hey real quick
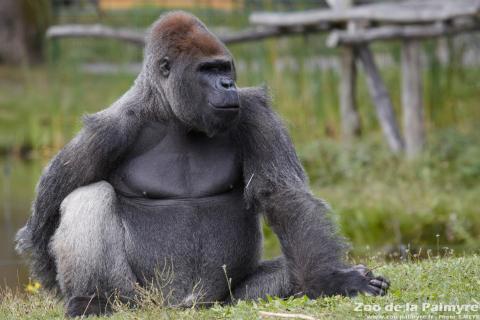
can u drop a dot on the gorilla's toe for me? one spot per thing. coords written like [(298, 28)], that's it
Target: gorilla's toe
[(369, 283), (378, 286), (363, 270), (380, 282), (85, 306)]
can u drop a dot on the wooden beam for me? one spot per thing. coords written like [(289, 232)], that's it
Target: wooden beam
[(336, 38), (356, 37), (381, 99), (137, 37), (412, 99), (259, 33), (401, 12)]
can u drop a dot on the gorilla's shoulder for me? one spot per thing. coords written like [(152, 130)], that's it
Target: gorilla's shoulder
[(114, 119), (255, 97)]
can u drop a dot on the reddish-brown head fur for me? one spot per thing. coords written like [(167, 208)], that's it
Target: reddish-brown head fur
[(182, 33)]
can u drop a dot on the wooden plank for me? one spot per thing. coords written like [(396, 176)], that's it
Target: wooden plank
[(260, 33), (356, 37), (137, 37), (413, 11), (381, 98), (412, 99)]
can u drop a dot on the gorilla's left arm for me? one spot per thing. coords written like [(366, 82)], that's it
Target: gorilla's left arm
[(86, 159), (276, 185)]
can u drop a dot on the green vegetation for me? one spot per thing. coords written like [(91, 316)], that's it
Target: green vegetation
[(412, 211), (381, 201), (418, 284)]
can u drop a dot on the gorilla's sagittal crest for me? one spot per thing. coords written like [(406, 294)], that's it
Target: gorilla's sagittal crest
[(185, 34)]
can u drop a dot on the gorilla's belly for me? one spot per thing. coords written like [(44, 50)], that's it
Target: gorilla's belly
[(181, 245), (181, 200), (167, 163)]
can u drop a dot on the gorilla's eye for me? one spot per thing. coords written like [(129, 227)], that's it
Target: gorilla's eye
[(215, 67), (165, 66)]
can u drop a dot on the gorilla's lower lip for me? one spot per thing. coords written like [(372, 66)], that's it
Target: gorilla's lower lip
[(225, 107)]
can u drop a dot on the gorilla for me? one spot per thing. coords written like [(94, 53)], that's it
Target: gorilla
[(176, 175)]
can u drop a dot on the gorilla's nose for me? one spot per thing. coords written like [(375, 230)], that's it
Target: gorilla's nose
[(226, 83)]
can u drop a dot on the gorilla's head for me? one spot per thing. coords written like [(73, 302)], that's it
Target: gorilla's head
[(193, 71)]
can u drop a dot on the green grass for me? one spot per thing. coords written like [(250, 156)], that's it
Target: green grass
[(415, 284), (381, 200)]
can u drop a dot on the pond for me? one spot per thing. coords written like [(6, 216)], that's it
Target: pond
[(17, 186)]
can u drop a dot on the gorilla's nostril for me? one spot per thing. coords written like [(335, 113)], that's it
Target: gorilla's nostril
[(227, 83)]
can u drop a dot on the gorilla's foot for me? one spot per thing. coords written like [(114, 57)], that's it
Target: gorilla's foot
[(84, 306), (347, 281), (368, 283)]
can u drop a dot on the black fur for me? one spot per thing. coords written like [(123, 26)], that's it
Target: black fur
[(272, 178), (84, 306), (86, 159), (278, 187)]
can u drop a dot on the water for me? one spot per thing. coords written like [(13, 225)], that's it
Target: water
[(17, 185)]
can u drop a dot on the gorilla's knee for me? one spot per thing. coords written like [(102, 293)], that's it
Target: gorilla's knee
[(85, 214), (88, 244), (96, 198)]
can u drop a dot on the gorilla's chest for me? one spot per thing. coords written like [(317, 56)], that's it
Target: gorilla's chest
[(168, 163)]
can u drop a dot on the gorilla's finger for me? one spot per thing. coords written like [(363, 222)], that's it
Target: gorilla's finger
[(376, 291), (383, 279), (363, 270), (379, 283)]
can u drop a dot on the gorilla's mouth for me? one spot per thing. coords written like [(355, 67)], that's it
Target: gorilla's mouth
[(225, 101), (228, 106)]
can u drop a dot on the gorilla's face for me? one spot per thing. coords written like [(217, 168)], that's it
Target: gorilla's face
[(194, 71), (204, 95), (217, 82)]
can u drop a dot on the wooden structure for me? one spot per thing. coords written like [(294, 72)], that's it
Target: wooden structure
[(353, 29)]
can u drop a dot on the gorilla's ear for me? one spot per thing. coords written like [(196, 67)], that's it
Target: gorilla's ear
[(165, 66)]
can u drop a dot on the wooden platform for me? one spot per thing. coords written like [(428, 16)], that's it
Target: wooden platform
[(354, 28)]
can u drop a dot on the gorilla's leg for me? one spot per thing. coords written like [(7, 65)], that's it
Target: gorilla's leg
[(270, 278), (88, 247)]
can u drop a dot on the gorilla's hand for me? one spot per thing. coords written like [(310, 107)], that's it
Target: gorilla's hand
[(364, 281)]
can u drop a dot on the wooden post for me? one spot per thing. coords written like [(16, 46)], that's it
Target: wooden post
[(412, 98), (443, 51), (351, 126), (350, 118), (381, 99)]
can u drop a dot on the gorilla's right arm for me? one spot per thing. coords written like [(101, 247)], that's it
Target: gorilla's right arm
[(84, 160), (277, 186)]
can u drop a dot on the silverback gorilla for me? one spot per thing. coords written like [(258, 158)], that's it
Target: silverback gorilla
[(177, 172)]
